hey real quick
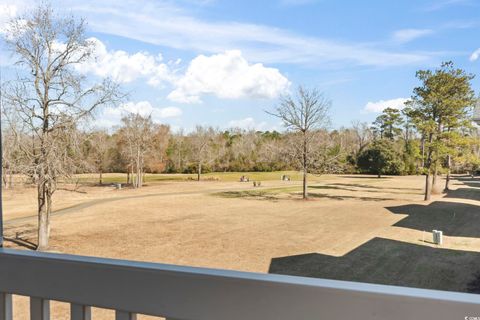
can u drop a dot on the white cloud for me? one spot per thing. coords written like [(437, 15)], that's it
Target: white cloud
[(407, 35), (247, 124), (111, 116), (227, 75), (169, 112), (475, 55), (123, 67), (165, 23), (379, 106)]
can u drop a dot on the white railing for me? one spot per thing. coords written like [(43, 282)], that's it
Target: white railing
[(186, 293)]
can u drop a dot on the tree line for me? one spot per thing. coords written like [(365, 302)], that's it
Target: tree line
[(391, 145)]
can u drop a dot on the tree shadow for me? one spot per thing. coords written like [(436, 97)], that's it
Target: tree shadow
[(247, 194), (21, 235), (454, 219), (328, 187), (464, 193), (21, 242), (469, 188), (468, 181), (390, 262), (345, 197), (367, 186), (373, 177)]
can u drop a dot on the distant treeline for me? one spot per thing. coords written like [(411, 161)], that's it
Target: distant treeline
[(140, 146)]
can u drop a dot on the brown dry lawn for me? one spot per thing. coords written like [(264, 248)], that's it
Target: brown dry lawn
[(356, 228)]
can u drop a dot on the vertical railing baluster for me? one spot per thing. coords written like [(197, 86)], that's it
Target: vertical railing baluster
[(122, 315), (39, 309), (79, 312), (5, 306)]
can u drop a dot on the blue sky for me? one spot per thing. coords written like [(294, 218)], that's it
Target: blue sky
[(223, 63)]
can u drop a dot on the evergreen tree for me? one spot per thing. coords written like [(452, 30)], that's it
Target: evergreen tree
[(441, 105)]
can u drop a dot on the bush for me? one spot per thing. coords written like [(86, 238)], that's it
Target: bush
[(380, 158)]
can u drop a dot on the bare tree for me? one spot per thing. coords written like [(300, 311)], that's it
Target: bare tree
[(100, 144), (304, 114), (156, 159), (10, 158), (178, 152), (270, 155), (51, 97), (245, 147), (363, 135), (200, 143), (137, 136)]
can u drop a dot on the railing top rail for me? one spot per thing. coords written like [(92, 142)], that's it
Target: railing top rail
[(197, 293)]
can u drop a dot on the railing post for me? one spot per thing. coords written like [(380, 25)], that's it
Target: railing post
[(79, 312), (122, 315), (39, 309), (5, 306)]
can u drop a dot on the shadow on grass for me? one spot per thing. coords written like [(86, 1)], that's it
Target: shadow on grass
[(389, 262), (453, 218), (365, 177), (467, 181), (465, 193), (21, 242), (20, 235), (254, 194), (329, 187), (367, 186), (344, 197), (278, 195)]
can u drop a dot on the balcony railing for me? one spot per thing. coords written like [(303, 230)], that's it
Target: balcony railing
[(186, 293)]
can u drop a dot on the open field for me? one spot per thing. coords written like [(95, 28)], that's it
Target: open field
[(210, 176), (353, 228)]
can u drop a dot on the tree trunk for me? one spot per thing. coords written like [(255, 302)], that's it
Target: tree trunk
[(379, 175), (101, 177), (139, 170), (199, 173), (139, 177), (428, 191), (134, 179), (447, 181), (128, 176), (305, 170), (428, 164), (305, 190), (10, 179), (44, 202), (4, 178), (423, 152), (435, 175)]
